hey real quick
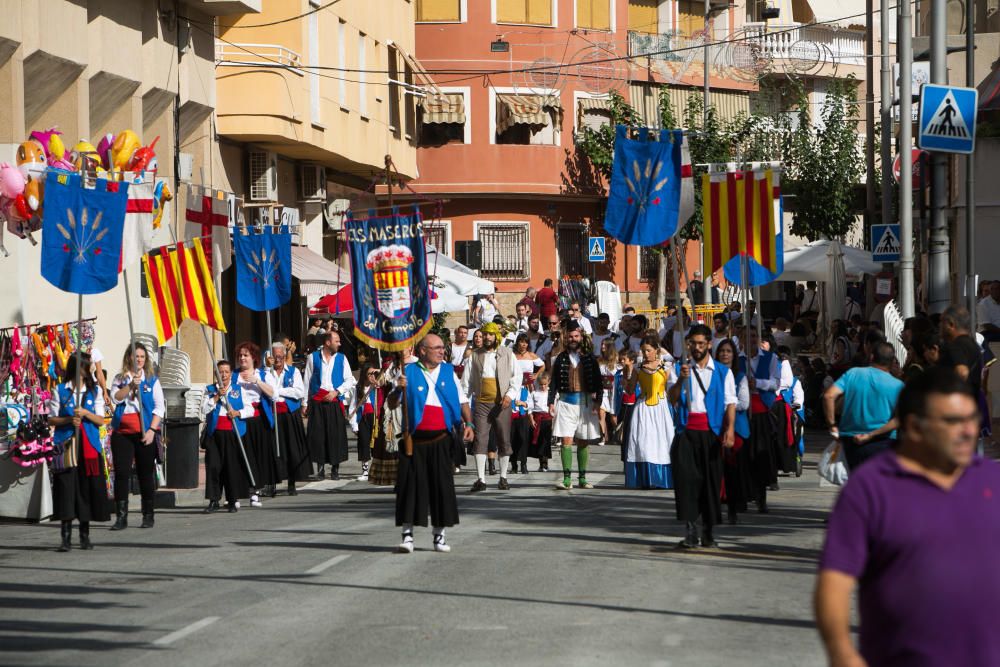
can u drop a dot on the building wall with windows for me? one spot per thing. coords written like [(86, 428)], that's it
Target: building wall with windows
[(499, 141)]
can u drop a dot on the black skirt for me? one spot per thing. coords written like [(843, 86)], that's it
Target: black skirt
[(259, 443), (366, 423), (784, 454), (426, 485), (624, 425), (77, 496), (294, 464), (541, 444), (226, 472), (327, 433), (696, 457), (737, 477), (458, 455), (763, 469), (520, 437)]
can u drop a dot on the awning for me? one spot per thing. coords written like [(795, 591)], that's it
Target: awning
[(843, 13), (444, 108), (585, 104), (417, 68), (527, 110), (317, 275)]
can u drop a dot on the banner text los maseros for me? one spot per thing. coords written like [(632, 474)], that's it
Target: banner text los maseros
[(392, 301)]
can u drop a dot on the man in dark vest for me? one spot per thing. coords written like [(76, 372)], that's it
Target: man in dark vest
[(764, 380), (435, 405), (329, 383), (705, 395)]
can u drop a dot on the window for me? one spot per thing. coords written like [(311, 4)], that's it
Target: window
[(534, 12), (342, 62), (441, 119), (362, 86), (593, 14), (409, 104), (506, 252), (592, 114), (690, 16), (394, 90), (438, 234), (649, 265), (439, 10), (528, 119), (642, 16)]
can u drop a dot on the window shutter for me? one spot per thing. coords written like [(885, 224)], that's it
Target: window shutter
[(601, 13), (642, 16), (540, 12), (512, 11), (584, 15), (439, 10)]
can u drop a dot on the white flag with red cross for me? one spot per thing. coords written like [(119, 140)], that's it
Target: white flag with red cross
[(207, 216), (137, 237)]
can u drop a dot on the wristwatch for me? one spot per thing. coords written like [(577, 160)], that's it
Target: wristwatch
[(470, 425)]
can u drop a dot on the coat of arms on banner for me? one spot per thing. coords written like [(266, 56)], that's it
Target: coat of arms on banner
[(390, 264)]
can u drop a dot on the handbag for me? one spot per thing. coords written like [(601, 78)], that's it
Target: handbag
[(832, 466)]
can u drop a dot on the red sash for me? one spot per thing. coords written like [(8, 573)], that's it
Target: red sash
[(756, 405), (539, 418), (224, 423), (432, 419), (129, 425), (697, 421), (281, 408)]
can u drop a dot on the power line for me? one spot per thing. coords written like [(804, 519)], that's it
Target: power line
[(279, 22)]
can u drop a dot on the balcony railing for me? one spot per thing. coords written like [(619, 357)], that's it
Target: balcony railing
[(670, 47), (257, 55), (812, 42)]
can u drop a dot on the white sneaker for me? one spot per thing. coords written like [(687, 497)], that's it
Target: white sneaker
[(440, 544), (255, 501), (406, 546), (237, 504), (362, 478)]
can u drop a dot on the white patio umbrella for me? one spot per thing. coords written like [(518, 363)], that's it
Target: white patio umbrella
[(834, 291), (447, 301)]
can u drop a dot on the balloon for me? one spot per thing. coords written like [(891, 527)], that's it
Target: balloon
[(122, 150), (104, 149), (30, 159), (143, 157), (57, 149), (34, 193), (86, 158), (45, 141), (11, 181)]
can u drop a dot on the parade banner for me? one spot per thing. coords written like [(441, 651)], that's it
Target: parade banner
[(263, 270), (738, 218), (644, 202), (756, 274), (180, 287), (82, 233), (137, 238), (207, 215), (392, 301)]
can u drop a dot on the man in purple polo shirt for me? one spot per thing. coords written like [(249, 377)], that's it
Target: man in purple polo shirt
[(918, 527)]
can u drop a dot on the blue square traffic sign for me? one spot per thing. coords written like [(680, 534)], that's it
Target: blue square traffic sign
[(597, 249), (885, 243), (947, 118)]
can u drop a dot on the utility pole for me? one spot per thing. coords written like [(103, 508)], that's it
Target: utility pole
[(937, 280), (970, 173), (904, 56), (869, 115), (886, 115)]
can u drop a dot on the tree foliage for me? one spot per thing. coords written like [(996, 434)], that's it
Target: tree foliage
[(823, 160)]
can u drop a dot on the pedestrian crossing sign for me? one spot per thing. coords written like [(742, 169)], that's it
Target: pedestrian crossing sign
[(885, 243), (597, 249), (947, 118)]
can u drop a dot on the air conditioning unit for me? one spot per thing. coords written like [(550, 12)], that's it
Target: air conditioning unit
[(312, 183), (263, 176)]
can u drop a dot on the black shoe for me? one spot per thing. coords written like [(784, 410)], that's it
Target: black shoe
[(524, 468), (478, 486), (706, 538), (690, 540), (762, 505), (732, 517), (66, 532), (773, 487), (121, 523), (213, 506), (270, 491), (503, 485), (85, 536), (492, 466), (231, 508), (335, 473), (292, 491)]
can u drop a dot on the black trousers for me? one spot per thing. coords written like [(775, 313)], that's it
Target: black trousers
[(697, 465), (225, 469), (129, 448)]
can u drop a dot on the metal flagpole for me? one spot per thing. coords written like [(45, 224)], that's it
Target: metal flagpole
[(678, 324), (274, 402), (76, 380), (224, 393), (131, 345)]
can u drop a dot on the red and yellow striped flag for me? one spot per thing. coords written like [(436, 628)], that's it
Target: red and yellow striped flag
[(180, 286), (738, 215)]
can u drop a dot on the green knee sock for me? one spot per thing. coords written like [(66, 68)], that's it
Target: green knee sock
[(582, 458), (567, 460)]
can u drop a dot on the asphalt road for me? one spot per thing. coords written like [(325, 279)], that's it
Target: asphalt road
[(536, 577)]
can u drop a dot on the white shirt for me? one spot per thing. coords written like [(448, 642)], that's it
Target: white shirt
[(743, 396), (55, 404), (787, 377), (988, 312), (706, 375), (132, 402), (457, 352), (344, 386), (809, 302), (776, 374), (540, 400), (276, 380), (584, 324)]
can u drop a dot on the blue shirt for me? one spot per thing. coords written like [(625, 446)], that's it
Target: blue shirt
[(869, 400)]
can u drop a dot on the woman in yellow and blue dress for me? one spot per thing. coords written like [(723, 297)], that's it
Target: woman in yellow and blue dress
[(651, 428)]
